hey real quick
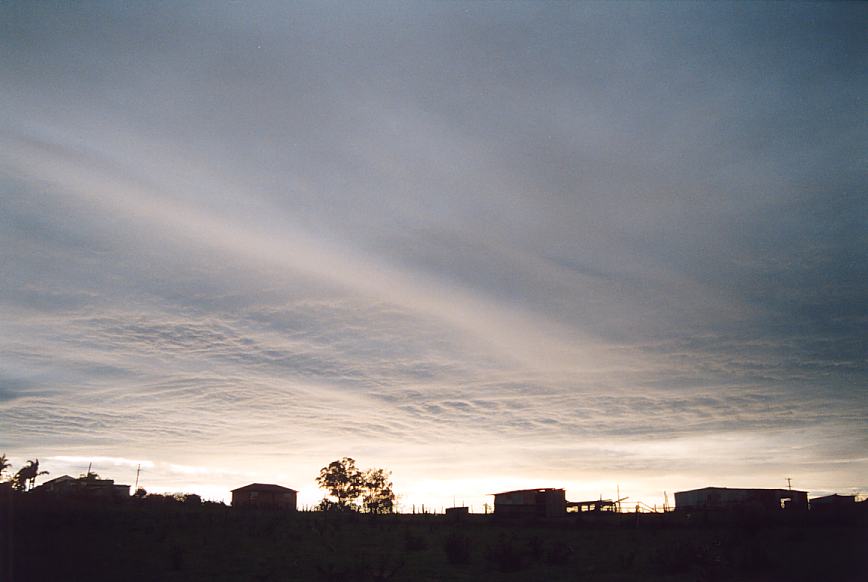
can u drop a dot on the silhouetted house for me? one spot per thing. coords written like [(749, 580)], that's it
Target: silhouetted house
[(84, 486), (724, 498), (264, 496), (833, 502), (457, 513), (530, 503), (60, 484)]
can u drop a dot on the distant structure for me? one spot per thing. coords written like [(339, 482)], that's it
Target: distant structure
[(595, 505), (457, 513), (265, 496), (544, 502), (723, 498), (833, 502), (87, 485), (60, 484)]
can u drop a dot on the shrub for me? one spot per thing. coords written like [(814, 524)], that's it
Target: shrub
[(457, 548), (505, 556), (414, 542), (558, 553)]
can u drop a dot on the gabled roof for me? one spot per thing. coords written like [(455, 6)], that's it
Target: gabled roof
[(265, 488), (59, 479)]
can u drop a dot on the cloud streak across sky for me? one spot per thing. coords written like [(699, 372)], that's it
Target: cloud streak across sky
[(482, 245)]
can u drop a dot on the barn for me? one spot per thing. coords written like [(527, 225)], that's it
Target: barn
[(264, 496), (544, 502), (724, 498)]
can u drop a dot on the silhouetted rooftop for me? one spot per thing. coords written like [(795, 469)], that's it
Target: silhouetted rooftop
[(776, 489), (271, 488), (538, 490)]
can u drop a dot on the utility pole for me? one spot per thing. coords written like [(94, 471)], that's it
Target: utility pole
[(138, 470), (789, 484)]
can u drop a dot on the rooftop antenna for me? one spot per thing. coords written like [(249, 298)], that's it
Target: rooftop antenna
[(138, 470), (789, 484), (89, 465)]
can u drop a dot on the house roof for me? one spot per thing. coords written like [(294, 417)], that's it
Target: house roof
[(266, 488), (751, 489), (834, 497), (539, 490), (59, 479)]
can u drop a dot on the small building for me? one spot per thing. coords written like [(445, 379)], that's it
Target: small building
[(265, 496), (724, 498), (87, 485), (546, 502), (457, 513), (595, 505), (60, 484), (833, 502)]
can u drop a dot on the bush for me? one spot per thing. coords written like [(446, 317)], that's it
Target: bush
[(505, 556), (674, 559), (457, 548), (414, 542), (558, 553)]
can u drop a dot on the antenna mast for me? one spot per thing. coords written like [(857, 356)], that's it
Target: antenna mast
[(138, 470)]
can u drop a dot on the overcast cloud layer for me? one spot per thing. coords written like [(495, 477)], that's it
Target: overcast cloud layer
[(483, 245)]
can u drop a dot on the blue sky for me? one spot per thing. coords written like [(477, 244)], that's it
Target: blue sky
[(483, 245)]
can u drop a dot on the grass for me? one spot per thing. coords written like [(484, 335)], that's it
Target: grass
[(53, 540)]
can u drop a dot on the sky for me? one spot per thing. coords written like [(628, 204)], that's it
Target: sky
[(485, 246)]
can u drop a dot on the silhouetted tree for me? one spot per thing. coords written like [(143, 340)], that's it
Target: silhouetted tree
[(351, 489), (4, 464), (343, 481), (26, 476), (377, 494)]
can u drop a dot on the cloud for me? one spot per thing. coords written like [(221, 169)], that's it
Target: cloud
[(114, 461), (537, 242)]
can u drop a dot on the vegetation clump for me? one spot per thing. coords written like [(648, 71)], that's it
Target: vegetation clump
[(352, 489)]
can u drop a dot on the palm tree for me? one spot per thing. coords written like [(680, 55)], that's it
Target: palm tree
[(26, 476), (4, 464)]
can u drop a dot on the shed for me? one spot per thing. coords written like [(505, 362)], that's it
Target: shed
[(543, 502), (457, 513), (265, 496), (595, 505)]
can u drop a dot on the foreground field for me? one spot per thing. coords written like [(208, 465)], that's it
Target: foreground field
[(44, 540)]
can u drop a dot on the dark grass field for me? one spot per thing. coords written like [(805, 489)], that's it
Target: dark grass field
[(50, 539)]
